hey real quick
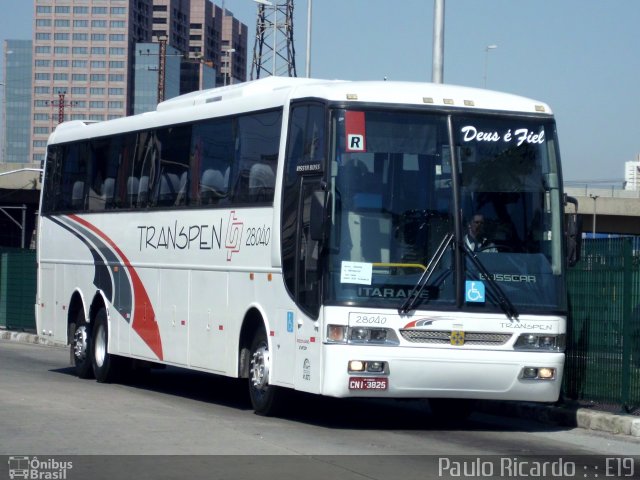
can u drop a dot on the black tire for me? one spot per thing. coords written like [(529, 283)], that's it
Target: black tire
[(106, 367), (267, 400), (451, 410), (81, 349)]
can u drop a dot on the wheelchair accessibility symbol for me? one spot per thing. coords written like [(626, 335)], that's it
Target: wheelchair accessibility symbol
[(474, 291)]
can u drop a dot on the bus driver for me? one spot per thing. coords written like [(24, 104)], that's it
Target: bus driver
[(474, 238)]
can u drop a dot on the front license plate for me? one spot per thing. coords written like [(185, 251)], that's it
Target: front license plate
[(364, 383)]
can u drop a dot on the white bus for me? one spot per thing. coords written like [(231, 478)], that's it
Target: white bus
[(313, 235)]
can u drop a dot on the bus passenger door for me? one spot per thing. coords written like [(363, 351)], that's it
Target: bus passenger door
[(308, 286), (303, 170)]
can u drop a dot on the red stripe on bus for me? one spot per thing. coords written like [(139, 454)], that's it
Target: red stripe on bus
[(144, 325)]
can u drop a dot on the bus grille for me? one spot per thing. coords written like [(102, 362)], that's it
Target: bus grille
[(444, 337)]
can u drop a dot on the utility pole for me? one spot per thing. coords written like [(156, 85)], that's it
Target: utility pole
[(274, 20), (162, 65), (61, 104)]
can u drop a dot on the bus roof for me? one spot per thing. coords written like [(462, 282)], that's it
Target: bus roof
[(273, 92), (365, 91)]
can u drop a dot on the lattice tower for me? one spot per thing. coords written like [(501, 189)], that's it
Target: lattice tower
[(274, 52)]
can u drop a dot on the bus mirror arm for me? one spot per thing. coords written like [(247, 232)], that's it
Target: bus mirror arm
[(573, 232), (317, 215)]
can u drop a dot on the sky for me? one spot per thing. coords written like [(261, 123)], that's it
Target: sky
[(582, 57)]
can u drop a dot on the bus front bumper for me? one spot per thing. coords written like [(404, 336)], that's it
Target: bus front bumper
[(441, 373)]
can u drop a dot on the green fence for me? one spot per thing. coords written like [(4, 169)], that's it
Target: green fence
[(603, 338), (17, 289)]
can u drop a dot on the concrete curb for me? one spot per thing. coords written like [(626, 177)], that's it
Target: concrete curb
[(566, 416), (25, 337), (563, 415)]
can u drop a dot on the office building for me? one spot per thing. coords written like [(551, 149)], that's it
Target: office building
[(85, 54), (16, 106), (233, 49), (632, 175), (148, 67), (83, 61)]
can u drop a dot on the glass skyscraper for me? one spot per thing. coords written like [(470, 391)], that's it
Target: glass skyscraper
[(146, 77), (17, 101)]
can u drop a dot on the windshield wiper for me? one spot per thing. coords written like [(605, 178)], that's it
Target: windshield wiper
[(408, 304), (507, 307)]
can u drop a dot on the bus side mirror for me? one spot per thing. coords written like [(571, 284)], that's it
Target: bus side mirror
[(317, 216), (573, 232)]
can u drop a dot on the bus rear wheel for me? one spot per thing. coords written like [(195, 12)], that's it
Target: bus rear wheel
[(266, 399), (106, 366), (81, 346)]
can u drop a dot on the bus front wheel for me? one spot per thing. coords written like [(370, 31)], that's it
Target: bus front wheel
[(266, 399)]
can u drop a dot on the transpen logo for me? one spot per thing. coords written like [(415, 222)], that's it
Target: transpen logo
[(234, 235)]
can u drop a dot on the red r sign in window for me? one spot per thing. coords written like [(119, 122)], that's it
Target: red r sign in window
[(355, 133)]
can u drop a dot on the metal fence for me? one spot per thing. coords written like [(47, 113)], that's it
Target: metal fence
[(17, 289), (603, 337)]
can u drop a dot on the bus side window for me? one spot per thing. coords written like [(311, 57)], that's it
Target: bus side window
[(211, 155), (75, 163), (108, 192), (257, 156), (171, 155), (168, 188), (262, 180), (143, 191), (77, 195), (132, 191)]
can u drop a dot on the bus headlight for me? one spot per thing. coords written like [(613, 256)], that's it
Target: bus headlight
[(538, 373), (337, 333), (361, 335), (540, 342), (370, 366), (369, 335)]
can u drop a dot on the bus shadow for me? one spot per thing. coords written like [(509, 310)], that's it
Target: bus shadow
[(327, 412), (408, 415), (194, 385), (189, 384)]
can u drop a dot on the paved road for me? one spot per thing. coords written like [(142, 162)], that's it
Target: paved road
[(46, 410)]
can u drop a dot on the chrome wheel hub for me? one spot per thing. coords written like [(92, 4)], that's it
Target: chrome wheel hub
[(80, 343), (260, 362)]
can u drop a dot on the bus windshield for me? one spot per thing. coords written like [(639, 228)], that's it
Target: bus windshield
[(393, 185)]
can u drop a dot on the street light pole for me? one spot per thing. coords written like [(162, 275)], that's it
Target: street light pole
[(486, 61), (308, 65), (438, 42)]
